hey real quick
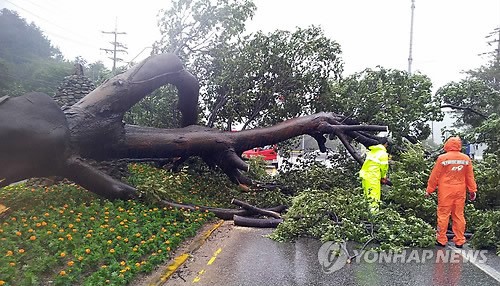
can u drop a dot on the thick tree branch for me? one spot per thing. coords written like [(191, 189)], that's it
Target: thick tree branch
[(452, 106)]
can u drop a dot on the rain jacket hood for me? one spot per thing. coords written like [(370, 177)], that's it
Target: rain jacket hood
[(453, 144)]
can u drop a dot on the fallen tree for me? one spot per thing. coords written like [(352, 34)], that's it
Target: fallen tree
[(39, 139)]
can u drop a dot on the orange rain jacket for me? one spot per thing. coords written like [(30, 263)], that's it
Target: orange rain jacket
[(452, 173)]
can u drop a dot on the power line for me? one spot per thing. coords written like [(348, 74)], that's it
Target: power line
[(55, 25), (116, 47)]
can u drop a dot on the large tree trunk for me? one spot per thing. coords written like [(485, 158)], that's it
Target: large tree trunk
[(38, 139)]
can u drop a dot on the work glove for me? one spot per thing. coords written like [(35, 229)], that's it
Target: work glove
[(472, 196)]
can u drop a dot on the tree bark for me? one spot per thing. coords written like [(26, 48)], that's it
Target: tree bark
[(38, 139)]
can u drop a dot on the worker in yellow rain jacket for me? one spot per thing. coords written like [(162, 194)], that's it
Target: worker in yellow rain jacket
[(374, 171)]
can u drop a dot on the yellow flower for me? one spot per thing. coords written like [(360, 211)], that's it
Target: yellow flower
[(80, 258), (122, 263), (87, 251), (70, 263), (103, 266), (62, 273), (9, 253), (88, 235), (20, 250), (62, 254), (70, 225), (2, 282), (112, 250), (12, 264)]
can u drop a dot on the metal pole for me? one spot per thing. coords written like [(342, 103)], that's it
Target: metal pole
[(410, 59)]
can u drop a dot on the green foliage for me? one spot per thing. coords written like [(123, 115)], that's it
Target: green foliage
[(269, 77), (409, 176), (386, 97), (340, 215), (487, 176), (28, 61), (197, 184), (406, 217), (308, 173), (474, 94), (484, 225), (159, 109)]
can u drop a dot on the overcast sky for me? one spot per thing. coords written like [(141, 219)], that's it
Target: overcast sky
[(448, 35)]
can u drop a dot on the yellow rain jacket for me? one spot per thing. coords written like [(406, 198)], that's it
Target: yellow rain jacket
[(374, 168)]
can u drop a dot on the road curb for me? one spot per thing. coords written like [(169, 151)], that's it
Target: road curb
[(180, 259)]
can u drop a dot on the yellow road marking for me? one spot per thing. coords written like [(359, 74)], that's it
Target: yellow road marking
[(179, 260), (210, 261)]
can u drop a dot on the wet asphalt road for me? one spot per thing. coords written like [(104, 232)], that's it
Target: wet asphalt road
[(243, 256)]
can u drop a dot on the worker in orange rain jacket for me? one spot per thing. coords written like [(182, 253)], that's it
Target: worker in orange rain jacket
[(452, 174)]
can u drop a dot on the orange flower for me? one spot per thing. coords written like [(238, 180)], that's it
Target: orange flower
[(87, 251), (9, 253), (70, 263), (2, 282), (20, 250), (80, 258), (12, 263), (62, 254), (32, 237), (18, 233), (62, 273)]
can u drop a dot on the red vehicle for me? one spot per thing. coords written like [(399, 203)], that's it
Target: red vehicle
[(268, 153)]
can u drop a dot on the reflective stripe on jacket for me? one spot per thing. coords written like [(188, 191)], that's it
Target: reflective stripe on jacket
[(376, 163)]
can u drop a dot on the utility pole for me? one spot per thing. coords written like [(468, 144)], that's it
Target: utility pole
[(117, 47), (410, 59)]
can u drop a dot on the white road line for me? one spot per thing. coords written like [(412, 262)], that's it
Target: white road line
[(483, 266)]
